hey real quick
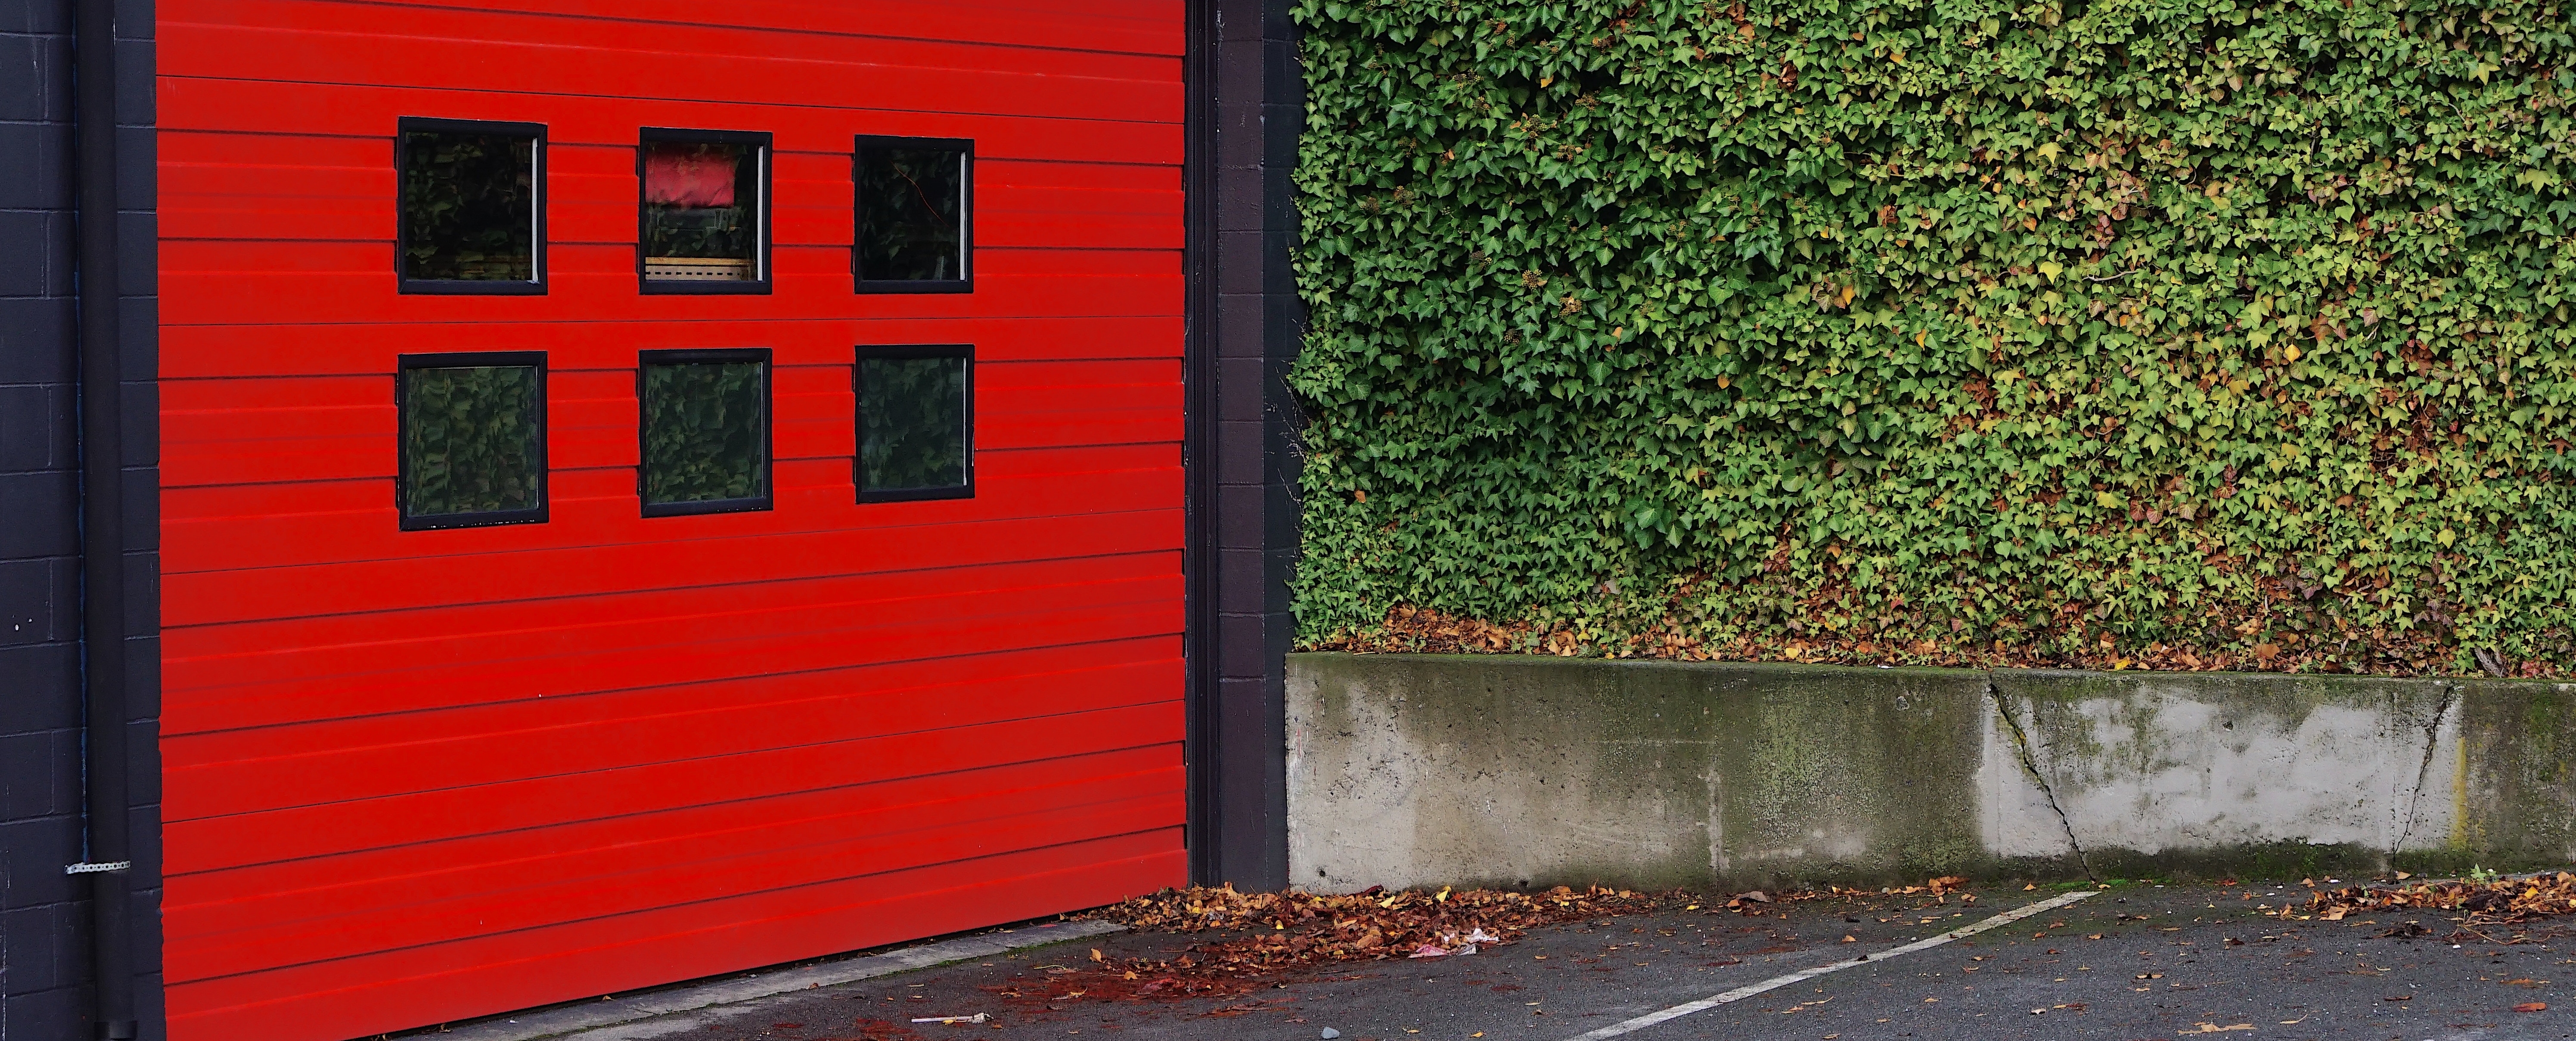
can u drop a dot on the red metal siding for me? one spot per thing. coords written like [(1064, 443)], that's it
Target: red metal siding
[(420, 776)]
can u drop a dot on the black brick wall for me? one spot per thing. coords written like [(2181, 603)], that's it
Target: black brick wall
[(44, 915), (1246, 327)]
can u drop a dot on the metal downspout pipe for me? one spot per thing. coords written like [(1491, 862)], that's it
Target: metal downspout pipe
[(104, 760)]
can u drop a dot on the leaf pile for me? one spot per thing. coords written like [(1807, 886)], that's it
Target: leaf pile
[(1261, 934), (1401, 919), (2190, 334), (2505, 901), (1258, 935)]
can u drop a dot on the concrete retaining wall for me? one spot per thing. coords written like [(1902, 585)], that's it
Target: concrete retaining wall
[(1408, 770)]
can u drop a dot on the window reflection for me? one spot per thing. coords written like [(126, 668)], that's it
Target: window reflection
[(913, 210), (702, 213), (706, 430), (472, 439), (468, 202), (914, 424)]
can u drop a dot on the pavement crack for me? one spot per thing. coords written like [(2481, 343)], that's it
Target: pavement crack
[(2423, 769), (2030, 765)]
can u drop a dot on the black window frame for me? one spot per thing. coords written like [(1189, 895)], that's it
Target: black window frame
[(405, 363), (859, 149), (764, 235), (768, 499), (859, 424), (404, 127)]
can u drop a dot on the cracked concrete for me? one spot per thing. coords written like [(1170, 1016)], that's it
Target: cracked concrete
[(2424, 768), (2030, 768), (1410, 770)]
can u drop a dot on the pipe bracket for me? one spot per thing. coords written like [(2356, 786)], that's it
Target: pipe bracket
[(87, 868)]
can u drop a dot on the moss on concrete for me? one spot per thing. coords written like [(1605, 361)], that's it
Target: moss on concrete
[(2515, 789), (1828, 778)]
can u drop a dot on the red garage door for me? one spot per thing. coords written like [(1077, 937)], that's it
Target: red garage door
[(655, 488)]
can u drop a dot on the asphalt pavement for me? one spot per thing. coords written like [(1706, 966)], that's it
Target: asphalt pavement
[(2130, 962)]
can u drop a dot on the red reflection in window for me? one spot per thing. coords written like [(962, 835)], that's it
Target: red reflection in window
[(690, 174)]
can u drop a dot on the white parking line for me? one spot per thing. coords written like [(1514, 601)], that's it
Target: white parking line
[(1749, 990)]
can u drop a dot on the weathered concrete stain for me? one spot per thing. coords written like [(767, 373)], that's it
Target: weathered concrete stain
[(1436, 766), (2516, 788), (2145, 762), (1408, 770), (1426, 770)]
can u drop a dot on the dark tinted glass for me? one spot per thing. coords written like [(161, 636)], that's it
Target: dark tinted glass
[(472, 441), (701, 212), (912, 423), (468, 207), (912, 205), (706, 431)]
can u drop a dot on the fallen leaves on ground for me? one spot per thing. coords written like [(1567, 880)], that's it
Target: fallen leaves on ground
[(1266, 933), (1200, 908), (881, 1030), (1247, 936), (2506, 901)]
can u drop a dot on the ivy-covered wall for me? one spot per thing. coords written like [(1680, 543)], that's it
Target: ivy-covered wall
[(2161, 333)]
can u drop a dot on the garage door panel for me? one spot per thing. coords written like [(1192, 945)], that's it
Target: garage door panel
[(1122, 27), (591, 426), (243, 771), (324, 1001), (578, 673), (268, 350), (590, 264), (632, 574), (353, 522), (219, 900), (832, 835), (1150, 609), (1130, 426), (606, 279), (288, 834), (919, 677), (219, 105), (342, 646), (253, 502), (602, 56), (207, 416)]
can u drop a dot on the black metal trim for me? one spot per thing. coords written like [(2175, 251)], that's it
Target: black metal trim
[(859, 397), (966, 248), (106, 793), (761, 249), (545, 443), (1199, 832), (768, 499), (403, 126)]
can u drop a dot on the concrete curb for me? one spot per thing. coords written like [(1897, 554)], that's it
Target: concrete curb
[(662, 1013), (1528, 771)]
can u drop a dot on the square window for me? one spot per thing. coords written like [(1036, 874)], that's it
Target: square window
[(472, 439), (915, 212), (703, 219), (705, 431), (471, 209), (916, 423)]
